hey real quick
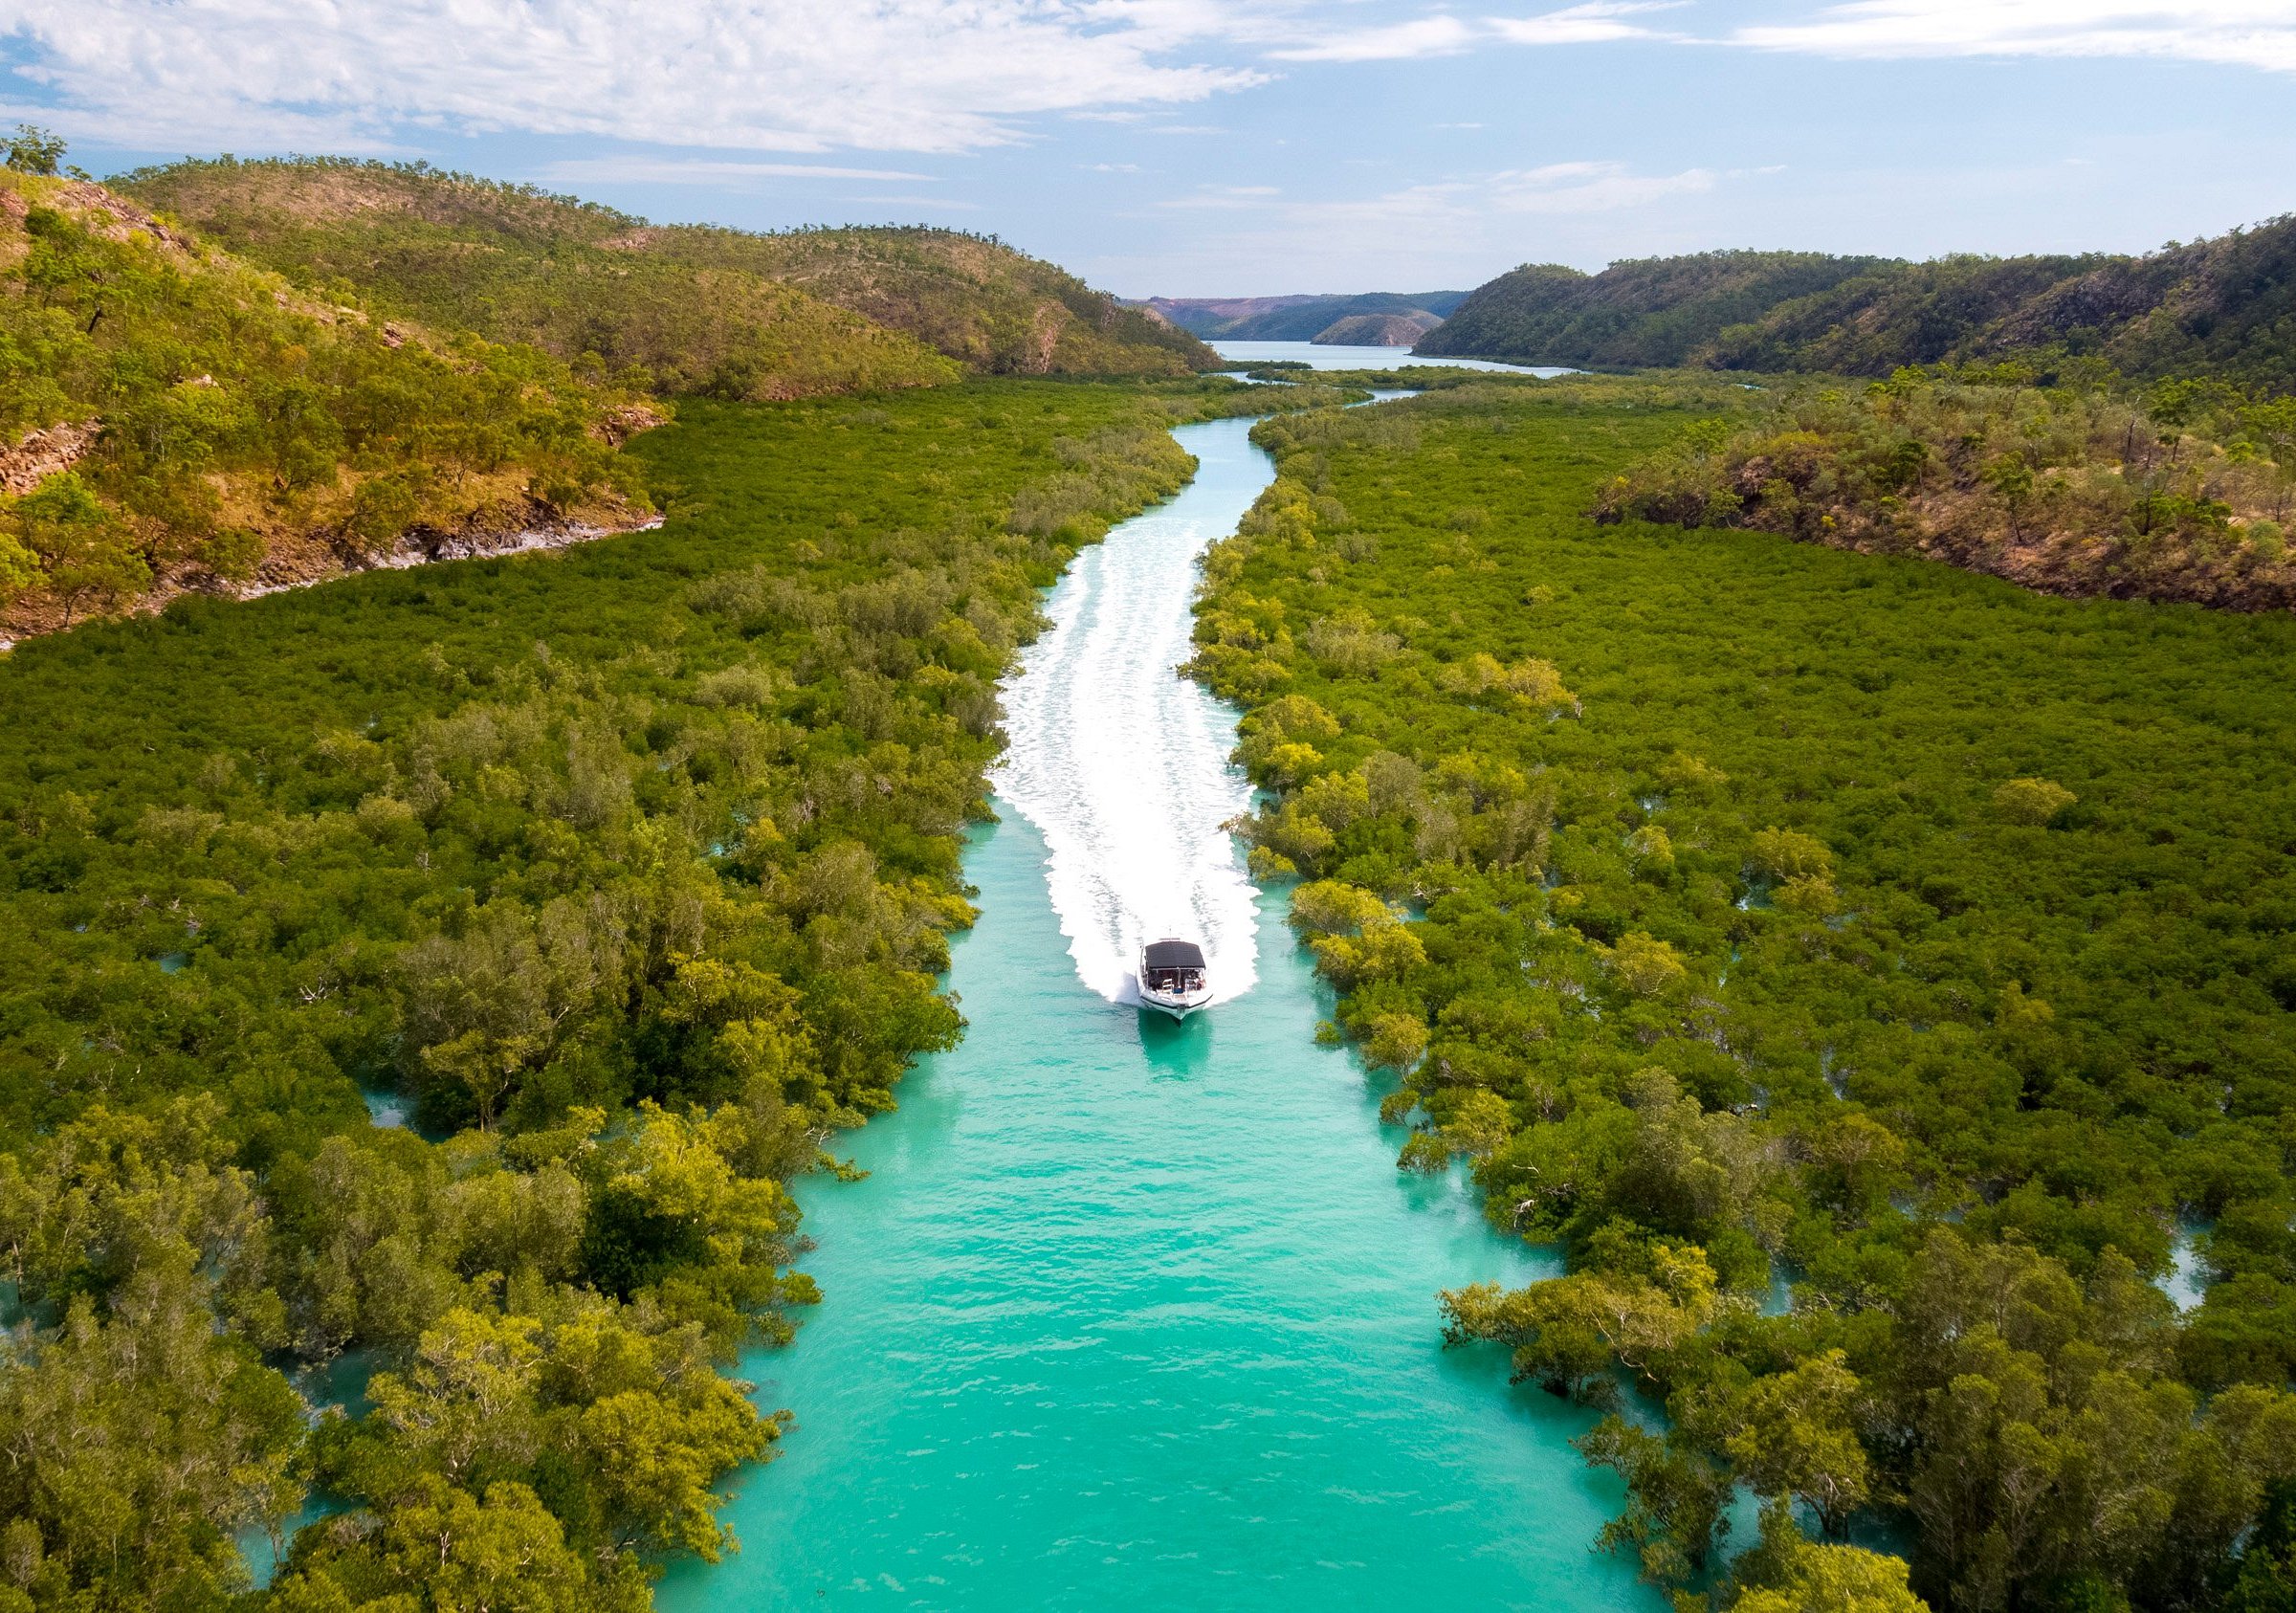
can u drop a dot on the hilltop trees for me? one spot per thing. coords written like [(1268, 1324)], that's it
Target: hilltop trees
[(34, 150)]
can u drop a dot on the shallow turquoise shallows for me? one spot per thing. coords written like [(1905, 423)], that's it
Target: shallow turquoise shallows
[(1137, 1314)]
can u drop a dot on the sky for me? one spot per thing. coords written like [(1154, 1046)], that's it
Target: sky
[(1244, 147)]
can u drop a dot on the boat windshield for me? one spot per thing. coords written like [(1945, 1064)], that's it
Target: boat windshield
[(1172, 965)]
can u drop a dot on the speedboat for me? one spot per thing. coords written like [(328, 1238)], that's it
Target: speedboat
[(1172, 978)]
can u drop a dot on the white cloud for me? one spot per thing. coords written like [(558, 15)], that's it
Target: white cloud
[(1403, 41), (1455, 231), (1465, 207), (2258, 34), (1551, 190), (670, 170), (1444, 35), (1565, 188), (1584, 25), (798, 76), (213, 127), (922, 75)]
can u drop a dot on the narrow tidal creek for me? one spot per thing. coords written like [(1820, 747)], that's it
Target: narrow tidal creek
[(1132, 1314)]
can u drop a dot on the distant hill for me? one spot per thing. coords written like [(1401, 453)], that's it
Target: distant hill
[(1295, 318), (1377, 330), (695, 308), (1644, 314), (2225, 307)]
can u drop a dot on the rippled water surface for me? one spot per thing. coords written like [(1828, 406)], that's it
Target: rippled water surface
[(1132, 1314)]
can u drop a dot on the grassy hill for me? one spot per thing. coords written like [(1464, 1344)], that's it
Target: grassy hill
[(175, 417), (973, 297), (2224, 307), (736, 314)]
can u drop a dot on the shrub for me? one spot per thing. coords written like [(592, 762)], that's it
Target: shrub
[(2032, 801)]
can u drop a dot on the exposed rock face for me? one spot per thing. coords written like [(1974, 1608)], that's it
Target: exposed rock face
[(305, 559), (1967, 527), (41, 454), (106, 209), (1377, 330), (309, 559), (620, 425)]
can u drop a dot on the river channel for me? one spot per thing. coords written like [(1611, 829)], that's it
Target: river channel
[(1131, 1313)]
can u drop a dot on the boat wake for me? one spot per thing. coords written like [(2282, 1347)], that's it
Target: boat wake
[(1119, 762)]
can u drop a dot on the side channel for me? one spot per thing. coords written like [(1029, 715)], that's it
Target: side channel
[(1135, 1313)]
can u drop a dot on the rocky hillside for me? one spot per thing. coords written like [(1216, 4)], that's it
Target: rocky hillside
[(693, 309), (1642, 314), (973, 297), (1296, 318), (174, 417), (1377, 330), (2224, 307)]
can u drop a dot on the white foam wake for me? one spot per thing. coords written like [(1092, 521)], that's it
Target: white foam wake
[(1120, 762)]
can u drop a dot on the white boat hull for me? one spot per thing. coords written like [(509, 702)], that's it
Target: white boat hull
[(1178, 1006), (1172, 978)]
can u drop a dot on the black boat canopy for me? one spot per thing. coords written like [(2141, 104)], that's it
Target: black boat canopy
[(1175, 955)]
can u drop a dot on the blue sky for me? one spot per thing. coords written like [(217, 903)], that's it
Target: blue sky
[(1199, 147)]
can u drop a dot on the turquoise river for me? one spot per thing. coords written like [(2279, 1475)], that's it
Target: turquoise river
[(1131, 1313)]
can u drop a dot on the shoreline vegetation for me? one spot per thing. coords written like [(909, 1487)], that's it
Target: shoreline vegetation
[(628, 874), (1744, 914)]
